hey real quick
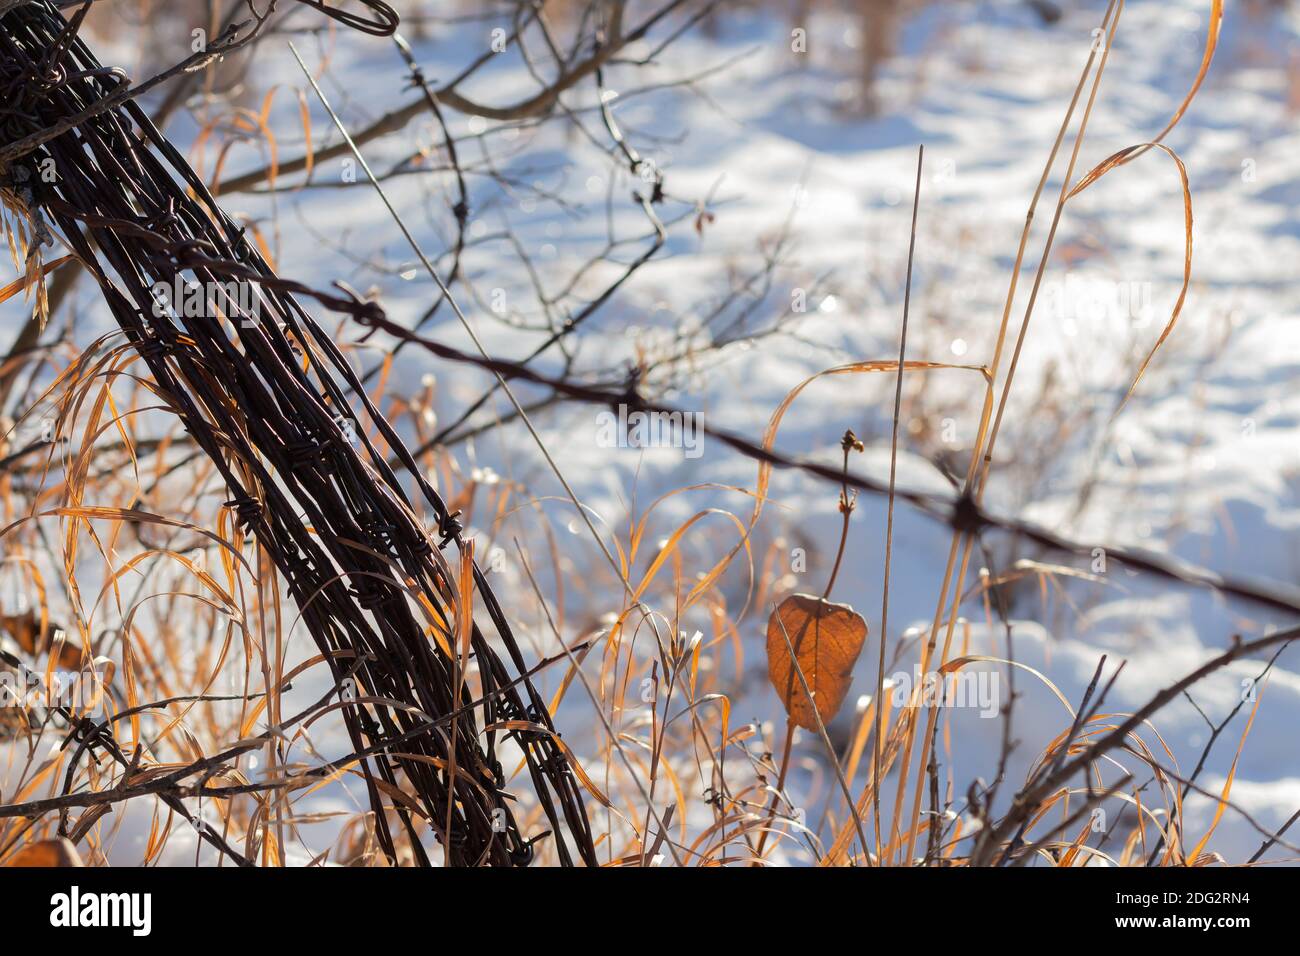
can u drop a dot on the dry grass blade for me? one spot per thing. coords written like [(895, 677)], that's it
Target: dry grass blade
[(24, 285), (1211, 44), (1114, 162), (852, 368)]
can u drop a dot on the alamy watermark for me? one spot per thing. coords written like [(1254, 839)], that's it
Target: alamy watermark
[(684, 430), (1079, 299), (81, 692), (976, 689), (75, 909), (189, 299)]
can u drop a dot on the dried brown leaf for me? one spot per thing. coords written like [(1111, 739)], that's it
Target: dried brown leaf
[(47, 853), (827, 639)]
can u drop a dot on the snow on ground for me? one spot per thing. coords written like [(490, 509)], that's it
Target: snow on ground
[(1203, 463)]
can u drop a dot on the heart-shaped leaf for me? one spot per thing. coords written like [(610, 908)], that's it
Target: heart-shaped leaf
[(827, 639)]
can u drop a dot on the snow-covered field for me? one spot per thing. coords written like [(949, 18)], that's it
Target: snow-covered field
[(1203, 463)]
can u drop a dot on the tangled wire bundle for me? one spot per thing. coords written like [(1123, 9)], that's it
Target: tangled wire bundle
[(371, 584)]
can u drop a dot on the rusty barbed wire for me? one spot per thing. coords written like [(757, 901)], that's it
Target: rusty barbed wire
[(305, 479)]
